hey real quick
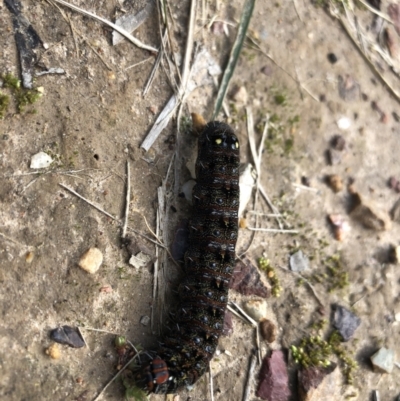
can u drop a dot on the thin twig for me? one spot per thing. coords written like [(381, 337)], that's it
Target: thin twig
[(117, 28), (297, 11), (305, 280), (99, 331), (127, 199), (377, 12), (273, 230), (395, 94), (115, 377), (299, 186), (117, 220), (139, 63), (250, 375), (99, 56), (87, 201), (211, 384), (244, 314)]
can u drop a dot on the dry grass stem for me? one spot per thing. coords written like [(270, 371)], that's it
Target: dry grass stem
[(117, 28), (127, 199), (114, 378), (250, 376), (273, 230)]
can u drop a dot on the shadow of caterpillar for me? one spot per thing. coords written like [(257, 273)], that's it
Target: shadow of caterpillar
[(209, 262)]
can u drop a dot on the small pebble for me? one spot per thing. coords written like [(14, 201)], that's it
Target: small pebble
[(91, 260), (268, 330), (67, 335), (335, 183), (338, 142), (383, 360), (332, 58), (145, 320), (257, 309), (41, 160), (305, 181), (340, 225), (394, 254), (29, 257), (349, 89), (344, 123), (267, 70), (299, 262), (345, 321), (53, 351)]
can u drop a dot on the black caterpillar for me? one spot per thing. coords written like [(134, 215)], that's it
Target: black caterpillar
[(209, 264)]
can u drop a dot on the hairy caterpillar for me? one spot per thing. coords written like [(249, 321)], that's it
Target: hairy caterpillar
[(209, 264)]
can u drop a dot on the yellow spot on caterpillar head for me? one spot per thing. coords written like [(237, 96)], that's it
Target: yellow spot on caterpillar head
[(237, 144), (218, 141)]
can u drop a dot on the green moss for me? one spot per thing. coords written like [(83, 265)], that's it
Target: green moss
[(265, 265), (280, 99), (10, 81), (314, 351), (23, 97), (4, 102)]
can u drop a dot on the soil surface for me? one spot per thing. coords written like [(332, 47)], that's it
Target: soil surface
[(93, 118)]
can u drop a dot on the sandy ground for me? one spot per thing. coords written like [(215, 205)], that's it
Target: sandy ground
[(94, 118)]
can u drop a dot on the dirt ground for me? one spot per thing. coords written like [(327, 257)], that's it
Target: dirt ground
[(93, 118)]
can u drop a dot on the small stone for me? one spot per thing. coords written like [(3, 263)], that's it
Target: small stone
[(145, 320), (256, 308), (67, 335), (394, 184), (332, 58), (267, 70), (335, 182), (53, 351), (274, 380), (349, 89), (268, 330), (299, 262), (338, 142), (240, 95), (368, 215), (394, 254), (317, 384), (340, 225), (383, 360), (247, 280), (344, 321), (91, 260), (41, 160), (139, 260), (344, 123), (29, 257)]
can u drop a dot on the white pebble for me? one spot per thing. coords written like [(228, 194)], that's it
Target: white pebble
[(41, 160), (91, 260), (257, 309), (344, 123)]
